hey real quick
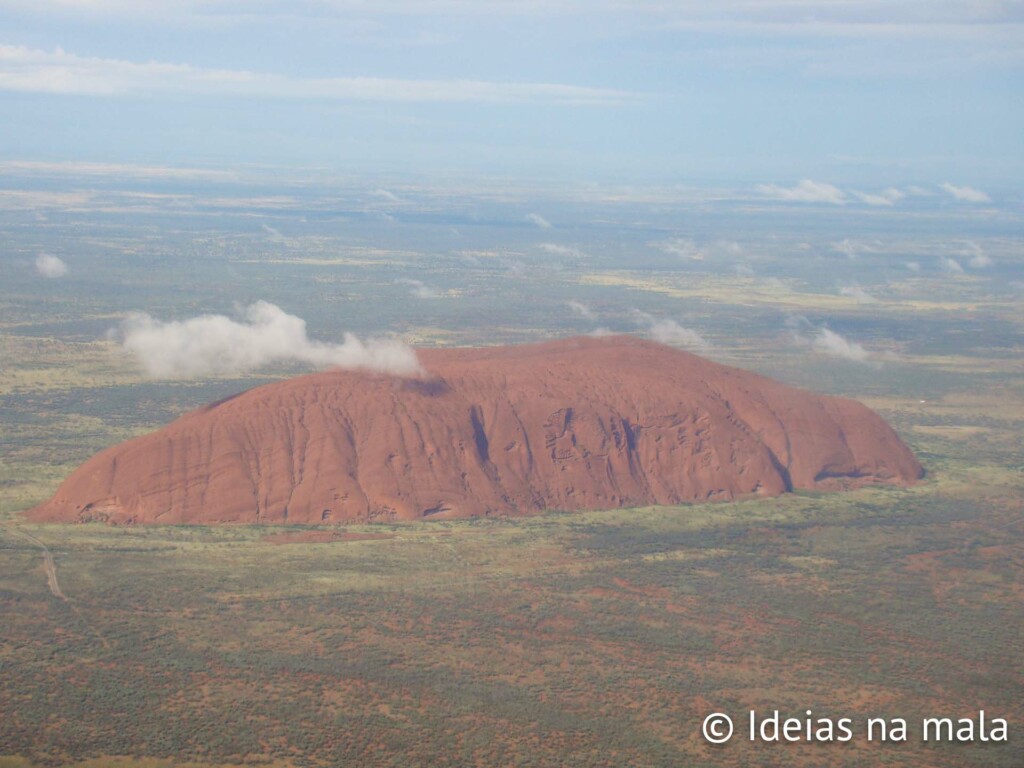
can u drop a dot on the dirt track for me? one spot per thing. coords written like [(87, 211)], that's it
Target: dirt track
[(48, 564), (51, 575)]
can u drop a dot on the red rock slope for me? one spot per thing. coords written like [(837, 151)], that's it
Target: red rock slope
[(582, 423)]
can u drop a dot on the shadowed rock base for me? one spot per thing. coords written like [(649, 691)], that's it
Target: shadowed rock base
[(581, 423)]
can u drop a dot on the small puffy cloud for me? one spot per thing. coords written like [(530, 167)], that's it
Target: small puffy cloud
[(557, 250), (50, 266), (851, 248), (681, 247), (857, 293), (670, 332), (514, 267), (419, 289), (831, 343), (537, 220), (950, 264), (825, 341), (889, 197), (965, 194), (274, 235), (565, 251), (797, 323), (807, 191), (913, 266), (730, 247), (582, 310), (687, 249), (264, 334), (978, 258)]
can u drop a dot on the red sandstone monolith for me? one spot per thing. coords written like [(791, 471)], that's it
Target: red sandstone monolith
[(581, 423)]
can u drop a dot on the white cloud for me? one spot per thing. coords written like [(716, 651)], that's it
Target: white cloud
[(275, 236), (796, 322), (581, 309), (852, 248), (950, 265), (825, 341), (847, 247), (560, 250), (538, 220), (978, 258), (831, 343), (913, 266), (419, 289), (682, 247), (965, 194), (671, 332), (514, 267), (50, 266), (33, 70), (213, 344), (685, 248), (385, 194), (887, 197), (857, 293), (729, 248), (807, 191)]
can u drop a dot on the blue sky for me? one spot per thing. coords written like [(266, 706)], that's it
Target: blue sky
[(863, 92)]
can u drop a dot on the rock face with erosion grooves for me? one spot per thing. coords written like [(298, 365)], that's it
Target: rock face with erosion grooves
[(582, 423)]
